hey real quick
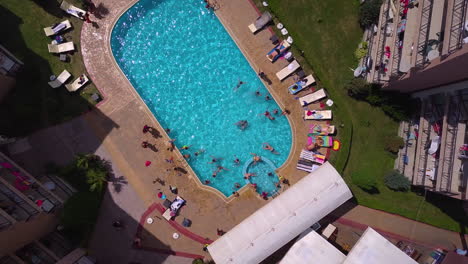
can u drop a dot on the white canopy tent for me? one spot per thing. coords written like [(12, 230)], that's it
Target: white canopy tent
[(374, 248), (282, 219), (313, 248), (370, 248)]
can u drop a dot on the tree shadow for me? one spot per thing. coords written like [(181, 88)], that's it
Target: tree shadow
[(455, 208), (32, 104), (101, 11), (51, 7)]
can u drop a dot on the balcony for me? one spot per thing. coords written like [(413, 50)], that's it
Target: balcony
[(12, 174), (15, 204), (58, 244), (34, 253), (8, 260)]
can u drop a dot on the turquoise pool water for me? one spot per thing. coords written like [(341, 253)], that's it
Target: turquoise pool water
[(185, 66)]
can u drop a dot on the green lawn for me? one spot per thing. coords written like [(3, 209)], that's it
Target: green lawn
[(33, 104), (328, 33)]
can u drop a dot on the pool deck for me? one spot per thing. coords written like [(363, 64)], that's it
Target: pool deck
[(207, 208)]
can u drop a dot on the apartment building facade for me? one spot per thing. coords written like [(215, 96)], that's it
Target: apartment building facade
[(29, 225), (419, 48)]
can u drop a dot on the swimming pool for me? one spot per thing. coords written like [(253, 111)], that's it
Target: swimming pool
[(186, 67)]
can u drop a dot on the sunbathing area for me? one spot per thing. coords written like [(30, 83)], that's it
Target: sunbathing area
[(211, 138)]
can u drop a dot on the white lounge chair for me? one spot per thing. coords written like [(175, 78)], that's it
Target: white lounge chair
[(313, 97), (77, 84), (58, 28), (61, 79), (72, 10), (260, 22), (317, 114), (60, 48), (288, 70), (301, 84), (434, 145)]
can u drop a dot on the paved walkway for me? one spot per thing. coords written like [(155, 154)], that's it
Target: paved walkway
[(111, 246), (397, 227)]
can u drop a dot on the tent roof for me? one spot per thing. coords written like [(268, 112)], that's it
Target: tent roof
[(374, 248), (313, 248), (282, 219)]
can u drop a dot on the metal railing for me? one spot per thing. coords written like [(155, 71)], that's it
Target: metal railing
[(4, 223), (32, 253), (19, 209), (57, 243), (457, 25), (382, 39), (421, 54)]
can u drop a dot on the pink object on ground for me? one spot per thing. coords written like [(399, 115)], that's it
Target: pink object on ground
[(6, 165), (147, 163), (322, 105)]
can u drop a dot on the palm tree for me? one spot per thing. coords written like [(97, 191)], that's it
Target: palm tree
[(96, 179)]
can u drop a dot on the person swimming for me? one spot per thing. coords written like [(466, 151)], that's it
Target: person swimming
[(256, 158), (239, 85), (269, 147), (236, 161)]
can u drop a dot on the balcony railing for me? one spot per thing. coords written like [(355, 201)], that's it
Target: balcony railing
[(32, 253), (15, 205), (423, 37), (4, 222), (457, 25), (57, 243), (7, 260)]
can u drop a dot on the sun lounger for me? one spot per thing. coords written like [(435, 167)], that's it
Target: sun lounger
[(314, 157), (264, 19), (306, 165), (321, 130), (61, 48), (301, 84), (72, 10), (167, 214), (58, 28), (322, 141), (288, 70), (77, 84), (313, 97), (278, 50), (434, 145), (61, 79), (317, 114)]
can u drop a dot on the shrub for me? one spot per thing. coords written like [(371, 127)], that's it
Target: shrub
[(369, 13), (361, 51), (397, 181), (396, 105), (198, 261), (394, 144), (86, 172)]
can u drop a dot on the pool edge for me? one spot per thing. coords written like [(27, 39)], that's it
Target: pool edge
[(200, 185)]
